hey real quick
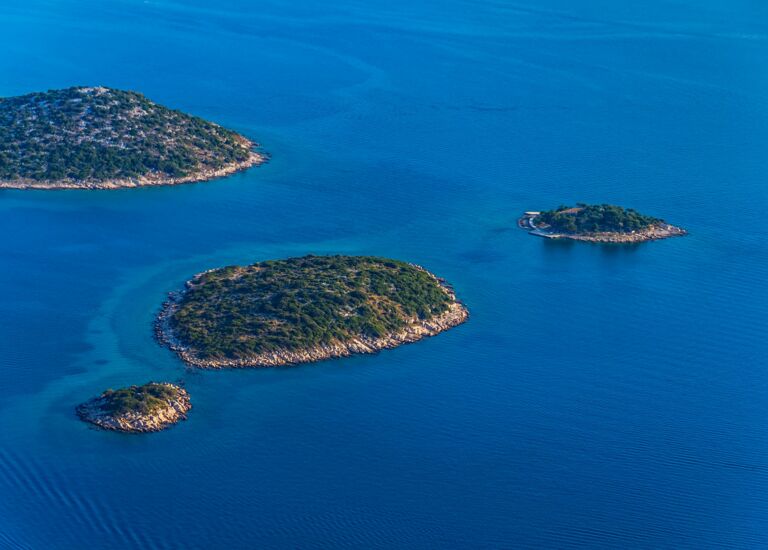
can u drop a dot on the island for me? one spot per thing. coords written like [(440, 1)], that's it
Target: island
[(604, 223), (137, 409), (301, 310), (102, 138)]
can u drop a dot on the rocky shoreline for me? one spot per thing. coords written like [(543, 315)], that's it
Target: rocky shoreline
[(652, 233), (96, 411), (254, 159), (416, 330)]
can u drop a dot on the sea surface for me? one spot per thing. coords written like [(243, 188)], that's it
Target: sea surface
[(600, 396)]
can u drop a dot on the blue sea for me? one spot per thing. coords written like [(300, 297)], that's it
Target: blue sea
[(600, 396)]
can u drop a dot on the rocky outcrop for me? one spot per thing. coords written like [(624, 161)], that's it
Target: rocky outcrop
[(174, 408), (414, 330)]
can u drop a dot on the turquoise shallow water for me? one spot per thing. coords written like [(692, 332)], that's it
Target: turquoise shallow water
[(598, 397)]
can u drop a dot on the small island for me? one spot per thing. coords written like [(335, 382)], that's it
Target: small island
[(137, 409), (102, 138), (605, 223), (301, 310)]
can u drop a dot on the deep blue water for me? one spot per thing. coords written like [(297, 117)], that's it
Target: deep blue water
[(600, 396)]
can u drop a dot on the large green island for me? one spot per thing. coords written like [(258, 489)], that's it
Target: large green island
[(300, 310), (138, 409), (597, 223), (102, 138)]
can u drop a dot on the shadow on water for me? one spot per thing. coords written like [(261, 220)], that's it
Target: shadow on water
[(610, 250), (558, 247), (569, 252)]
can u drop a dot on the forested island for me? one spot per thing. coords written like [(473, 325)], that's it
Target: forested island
[(597, 223), (102, 138), (148, 408), (300, 310)]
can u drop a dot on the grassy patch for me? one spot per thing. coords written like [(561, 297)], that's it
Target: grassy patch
[(140, 399)]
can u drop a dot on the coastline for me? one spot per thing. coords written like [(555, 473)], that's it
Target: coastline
[(132, 422), (653, 233), (415, 330), (254, 159)]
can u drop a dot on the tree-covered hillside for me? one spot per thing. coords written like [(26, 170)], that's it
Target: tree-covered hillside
[(296, 303), (101, 134), (586, 218)]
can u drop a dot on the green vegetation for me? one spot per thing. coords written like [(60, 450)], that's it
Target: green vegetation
[(140, 399), (100, 134), (297, 303), (598, 218)]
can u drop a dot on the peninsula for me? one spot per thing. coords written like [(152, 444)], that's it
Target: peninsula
[(102, 138), (148, 408), (301, 310), (605, 223)]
